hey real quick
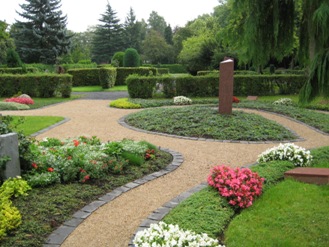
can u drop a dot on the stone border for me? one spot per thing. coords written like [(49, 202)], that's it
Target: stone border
[(158, 214), (50, 127), (122, 122), (57, 237)]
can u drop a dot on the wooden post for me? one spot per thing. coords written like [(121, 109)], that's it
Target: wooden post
[(226, 87)]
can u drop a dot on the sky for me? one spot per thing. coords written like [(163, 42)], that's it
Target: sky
[(83, 13)]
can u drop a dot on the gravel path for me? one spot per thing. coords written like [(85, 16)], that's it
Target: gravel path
[(114, 223)]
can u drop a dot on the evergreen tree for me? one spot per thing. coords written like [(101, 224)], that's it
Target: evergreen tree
[(13, 59), (168, 34), (132, 31), (6, 42), (108, 37), (157, 23), (131, 58), (42, 38)]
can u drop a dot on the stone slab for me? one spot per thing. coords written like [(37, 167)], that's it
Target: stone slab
[(252, 98), (9, 147), (309, 175)]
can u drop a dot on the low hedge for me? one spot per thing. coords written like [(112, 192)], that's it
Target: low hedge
[(17, 70), (124, 72), (85, 77), (36, 85), (173, 68), (141, 86), (208, 86)]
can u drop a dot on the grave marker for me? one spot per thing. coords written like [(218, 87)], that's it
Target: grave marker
[(226, 87)]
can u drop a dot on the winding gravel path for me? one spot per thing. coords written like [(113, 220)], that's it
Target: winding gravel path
[(114, 223)]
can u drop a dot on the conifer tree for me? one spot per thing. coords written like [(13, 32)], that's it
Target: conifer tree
[(108, 37), (42, 37), (132, 31)]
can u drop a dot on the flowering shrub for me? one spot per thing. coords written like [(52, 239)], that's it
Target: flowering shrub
[(10, 217), (25, 101), (288, 151), (79, 159), (283, 101), (164, 235), (182, 100), (239, 186), (235, 99)]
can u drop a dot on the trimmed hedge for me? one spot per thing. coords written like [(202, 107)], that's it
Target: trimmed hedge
[(84, 77), (162, 71), (141, 86), (124, 72), (107, 77), (173, 68), (17, 70), (208, 86), (36, 85)]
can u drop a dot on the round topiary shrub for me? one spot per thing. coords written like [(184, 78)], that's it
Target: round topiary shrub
[(131, 58), (117, 59)]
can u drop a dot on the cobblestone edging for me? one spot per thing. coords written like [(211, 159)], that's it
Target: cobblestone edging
[(122, 122), (158, 214), (57, 237)]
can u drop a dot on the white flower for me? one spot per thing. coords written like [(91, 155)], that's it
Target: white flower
[(163, 235), (289, 151), (283, 101), (182, 100)]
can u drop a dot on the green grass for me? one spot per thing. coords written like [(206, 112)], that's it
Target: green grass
[(32, 124), (205, 122), (288, 213), (45, 209), (99, 89)]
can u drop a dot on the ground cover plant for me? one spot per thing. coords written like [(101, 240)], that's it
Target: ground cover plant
[(205, 122), (65, 177), (296, 219)]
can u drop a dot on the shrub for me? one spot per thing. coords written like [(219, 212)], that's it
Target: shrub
[(123, 73), (236, 99), (13, 59), (124, 104), (117, 59), (288, 151), (182, 100), (4, 106), (85, 77), (239, 186), (131, 58), (162, 234), (107, 77), (25, 101)]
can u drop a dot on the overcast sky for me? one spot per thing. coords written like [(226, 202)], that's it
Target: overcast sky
[(84, 13)]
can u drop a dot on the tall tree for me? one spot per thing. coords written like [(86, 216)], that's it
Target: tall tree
[(168, 34), (108, 37), (157, 23), (6, 42), (267, 30), (132, 31), (42, 38)]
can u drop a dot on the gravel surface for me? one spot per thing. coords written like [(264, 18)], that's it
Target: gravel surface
[(114, 223)]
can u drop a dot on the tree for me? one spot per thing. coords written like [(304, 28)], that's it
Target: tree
[(156, 50), (108, 37), (132, 31), (42, 38), (6, 42), (157, 23), (131, 58), (168, 34), (267, 29), (13, 60)]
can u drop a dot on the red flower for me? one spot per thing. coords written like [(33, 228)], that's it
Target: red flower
[(76, 143), (50, 169), (87, 177), (82, 171), (34, 165), (235, 100), (69, 157)]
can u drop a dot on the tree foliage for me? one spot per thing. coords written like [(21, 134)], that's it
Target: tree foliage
[(6, 42), (131, 58), (108, 37), (132, 31), (42, 37)]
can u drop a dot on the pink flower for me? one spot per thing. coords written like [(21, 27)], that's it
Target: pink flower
[(34, 165), (50, 169)]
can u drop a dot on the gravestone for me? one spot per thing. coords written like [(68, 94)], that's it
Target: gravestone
[(9, 147), (226, 87)]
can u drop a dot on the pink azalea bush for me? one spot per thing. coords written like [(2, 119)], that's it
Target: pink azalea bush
[(239, 186), (25, 101)]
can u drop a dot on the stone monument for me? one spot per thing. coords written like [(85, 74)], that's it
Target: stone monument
[(226, 86)]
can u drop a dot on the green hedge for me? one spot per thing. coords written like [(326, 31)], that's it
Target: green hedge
[(141, 86), (36, 85), (162, 71), (124, 72), (208, 86), (79, 66), (107, 77), (17, 70), (173, 68), (85, 77)]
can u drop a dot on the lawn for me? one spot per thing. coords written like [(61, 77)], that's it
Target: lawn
[(288, 213), (99, 89)]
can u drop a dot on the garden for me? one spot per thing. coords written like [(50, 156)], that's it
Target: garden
[(76, 171)]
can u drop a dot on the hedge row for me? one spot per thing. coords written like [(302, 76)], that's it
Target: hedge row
[(173, 68), (36, 85), (124, 72), (208, 86), (19, 70)]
